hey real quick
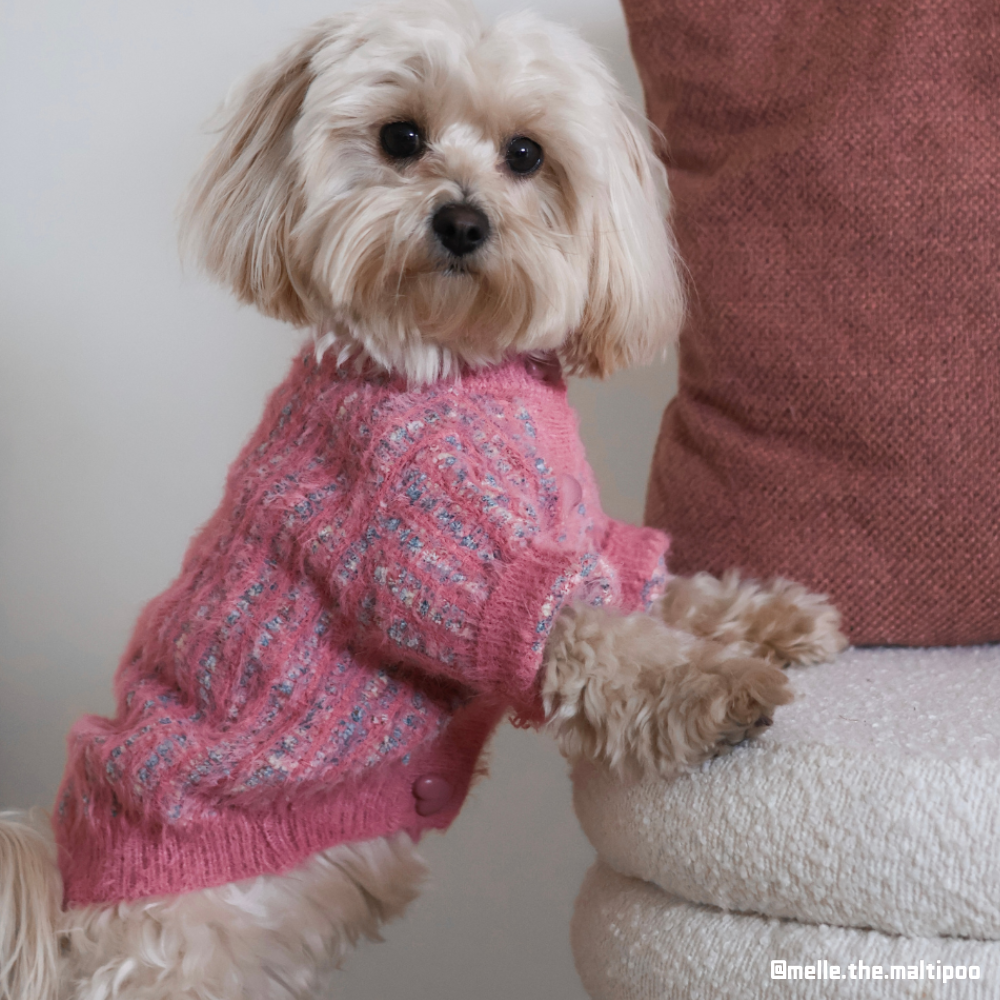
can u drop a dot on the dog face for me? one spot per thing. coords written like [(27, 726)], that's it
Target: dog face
[(432, 192)]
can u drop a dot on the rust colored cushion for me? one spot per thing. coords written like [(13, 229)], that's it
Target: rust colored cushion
[(836, 171)]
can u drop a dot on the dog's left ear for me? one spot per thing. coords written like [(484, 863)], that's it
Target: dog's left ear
[(636, 296), (243, 203)]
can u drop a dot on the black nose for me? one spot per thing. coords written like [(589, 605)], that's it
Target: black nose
[(460, 228)]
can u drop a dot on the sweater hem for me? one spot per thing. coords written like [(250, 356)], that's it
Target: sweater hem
[(124, 860)]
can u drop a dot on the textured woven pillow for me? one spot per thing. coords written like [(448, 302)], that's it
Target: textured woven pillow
[(836, 170)]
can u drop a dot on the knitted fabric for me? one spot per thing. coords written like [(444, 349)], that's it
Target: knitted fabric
[(372, 595), (835, 169)]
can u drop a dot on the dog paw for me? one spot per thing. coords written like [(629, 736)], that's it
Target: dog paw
[(732, 701), (779, 621), (797, 626), (646, 699)]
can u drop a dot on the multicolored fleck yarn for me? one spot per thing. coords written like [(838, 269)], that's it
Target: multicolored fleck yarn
[(372, 595)]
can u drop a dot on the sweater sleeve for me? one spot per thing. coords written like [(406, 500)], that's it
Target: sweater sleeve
[(638, 557), (460, 570)]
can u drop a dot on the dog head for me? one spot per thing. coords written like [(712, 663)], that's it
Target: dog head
[(435, 193)]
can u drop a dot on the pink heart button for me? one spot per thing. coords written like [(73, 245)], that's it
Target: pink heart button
[(432, 795)]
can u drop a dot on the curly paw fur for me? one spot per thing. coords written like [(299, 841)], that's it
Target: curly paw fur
[(779, 621), (629, 692)]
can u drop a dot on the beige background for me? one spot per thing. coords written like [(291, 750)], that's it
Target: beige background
[(127, 387)]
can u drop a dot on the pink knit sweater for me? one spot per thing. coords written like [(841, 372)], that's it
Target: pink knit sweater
[(372, 595)]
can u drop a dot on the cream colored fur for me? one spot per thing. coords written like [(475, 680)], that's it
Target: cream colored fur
[(780, 621), (654, 693), (30, 895), (269, 938), (634, 694), (300, 211)]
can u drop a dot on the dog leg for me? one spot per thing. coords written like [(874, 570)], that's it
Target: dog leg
[(779, 621), (276, 937), (632, 693), (30, 894)]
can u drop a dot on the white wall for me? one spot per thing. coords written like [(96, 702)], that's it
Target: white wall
[(125, 390)]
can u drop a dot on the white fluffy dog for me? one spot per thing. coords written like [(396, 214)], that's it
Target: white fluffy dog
[(433, 197)]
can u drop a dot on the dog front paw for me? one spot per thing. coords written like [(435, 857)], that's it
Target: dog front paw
[(721, 703), (779, 621), (797, 626), (640, 697)]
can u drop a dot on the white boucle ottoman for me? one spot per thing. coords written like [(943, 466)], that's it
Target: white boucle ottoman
[(867, 820)]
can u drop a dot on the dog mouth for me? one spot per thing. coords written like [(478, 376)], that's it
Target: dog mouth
[(438, 265), (457, 268)]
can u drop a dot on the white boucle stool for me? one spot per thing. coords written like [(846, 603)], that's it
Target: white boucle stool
[(863, 827)]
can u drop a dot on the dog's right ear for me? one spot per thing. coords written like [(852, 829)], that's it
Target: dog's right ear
[(244, 201)]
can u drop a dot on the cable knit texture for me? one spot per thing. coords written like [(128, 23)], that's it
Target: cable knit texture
[(372, 595)]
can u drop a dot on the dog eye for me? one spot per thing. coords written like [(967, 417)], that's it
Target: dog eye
[(523, 155), (402, 140)]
